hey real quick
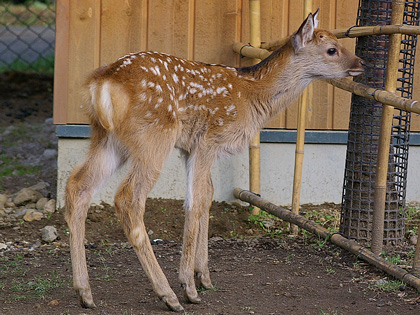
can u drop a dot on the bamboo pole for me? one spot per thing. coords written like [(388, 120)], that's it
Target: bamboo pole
[(416, 261), (378, 95), (379, 198), (356, 31), (334, 238), (300, 137), (246, 50), (254, 147)]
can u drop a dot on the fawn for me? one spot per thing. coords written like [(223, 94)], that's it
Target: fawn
[(146, 103)]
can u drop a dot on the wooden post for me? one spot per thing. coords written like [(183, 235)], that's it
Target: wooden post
[(385, 132), (254, 147), (61, 79), (300, 138)]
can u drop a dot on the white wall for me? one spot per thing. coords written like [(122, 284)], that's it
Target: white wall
[(322, 178)]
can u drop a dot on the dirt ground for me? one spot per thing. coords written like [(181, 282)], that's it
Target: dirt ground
[(256, 267)]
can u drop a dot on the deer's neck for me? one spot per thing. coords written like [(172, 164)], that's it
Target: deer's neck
[(273, 84)]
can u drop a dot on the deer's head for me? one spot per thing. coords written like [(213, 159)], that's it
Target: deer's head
[(320, 53)]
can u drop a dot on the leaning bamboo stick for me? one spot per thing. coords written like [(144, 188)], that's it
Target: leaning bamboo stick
[(376, 30), (379, 198), (378, 95), (416, 260), (300, 138), (357, 31), (254, 147), (246, 50), (336, 239)]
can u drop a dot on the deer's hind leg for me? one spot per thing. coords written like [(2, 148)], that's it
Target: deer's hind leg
[(104, 157), (202, 274), (147, 161)]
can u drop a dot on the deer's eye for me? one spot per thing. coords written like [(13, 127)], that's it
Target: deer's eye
[(332, 51)]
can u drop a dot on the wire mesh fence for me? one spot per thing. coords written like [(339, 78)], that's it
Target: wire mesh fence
[(27, 33), (364, 128)]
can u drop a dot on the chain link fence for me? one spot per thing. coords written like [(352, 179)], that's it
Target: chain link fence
[(27, 33)]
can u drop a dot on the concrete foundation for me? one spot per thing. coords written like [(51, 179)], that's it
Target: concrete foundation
[(322, 180)]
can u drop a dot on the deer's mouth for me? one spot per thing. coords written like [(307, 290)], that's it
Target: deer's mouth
[(355, 73)]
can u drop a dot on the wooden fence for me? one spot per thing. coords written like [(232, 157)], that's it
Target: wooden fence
[(91, 33)]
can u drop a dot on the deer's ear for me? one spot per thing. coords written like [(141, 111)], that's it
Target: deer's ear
[(305, 32)]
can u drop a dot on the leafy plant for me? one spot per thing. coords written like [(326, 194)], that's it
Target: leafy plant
[(266, 222), (389, 285), (330, 270)]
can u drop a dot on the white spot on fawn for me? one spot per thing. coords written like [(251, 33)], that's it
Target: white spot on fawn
[(220, 89), (229, 109), (142, 97), (175, 78), (155, 70)]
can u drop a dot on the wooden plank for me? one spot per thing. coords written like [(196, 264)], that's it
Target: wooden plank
[(245, 34), (346, 15), (215, 32), (295, 19), (61, 61), (84, 52), (161, 21), (183, 28), (191, 29), (121, 17), (274, 24), (320, 107), (114, 23)]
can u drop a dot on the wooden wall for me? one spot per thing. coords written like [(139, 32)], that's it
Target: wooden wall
[(91, 33)]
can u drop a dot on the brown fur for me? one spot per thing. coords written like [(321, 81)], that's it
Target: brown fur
[(145, 104)]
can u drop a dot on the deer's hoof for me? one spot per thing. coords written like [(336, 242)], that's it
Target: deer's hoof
[(203, 281), (85, 298), (172, 305), (190, 294)]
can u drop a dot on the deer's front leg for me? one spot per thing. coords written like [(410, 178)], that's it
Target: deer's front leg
[(196, 203)]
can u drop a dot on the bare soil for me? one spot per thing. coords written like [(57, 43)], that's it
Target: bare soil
[(255, 269)]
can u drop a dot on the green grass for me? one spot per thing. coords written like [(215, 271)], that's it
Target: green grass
[(260, 221), (204, 290), (38, 287), (389, 286), (329, 312), (10, 166), (326, 220), (44, 65)]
